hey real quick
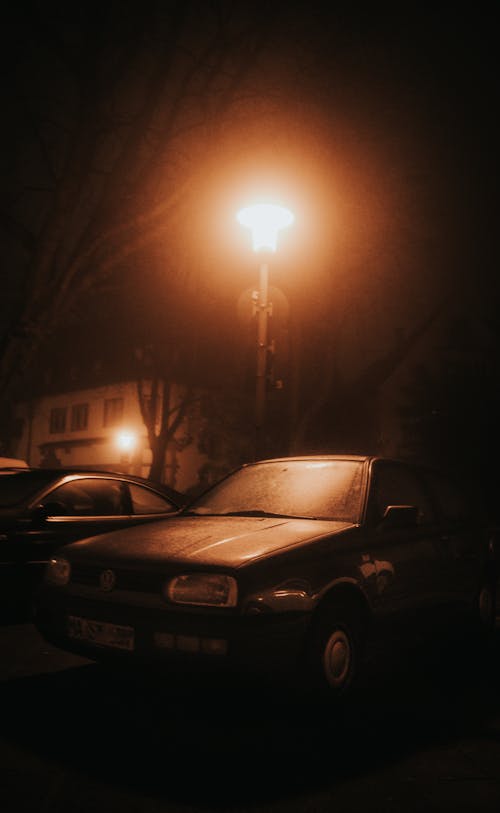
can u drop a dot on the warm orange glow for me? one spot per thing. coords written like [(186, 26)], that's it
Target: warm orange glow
[(265, 220), (126, 440)]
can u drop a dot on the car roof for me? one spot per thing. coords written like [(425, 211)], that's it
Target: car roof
[(422, 466), (357, 457), (55, 473), (345, 456)]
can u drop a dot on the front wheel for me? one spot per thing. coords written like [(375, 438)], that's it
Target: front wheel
[(338, 655), (336, 649)]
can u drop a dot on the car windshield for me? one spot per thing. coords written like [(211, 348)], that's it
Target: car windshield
[(313, 489), (17, 487)]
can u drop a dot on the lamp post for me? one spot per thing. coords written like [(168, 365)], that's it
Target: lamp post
[(264, 220)]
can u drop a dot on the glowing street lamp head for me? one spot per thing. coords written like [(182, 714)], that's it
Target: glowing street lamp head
[(265, 220), (126, 441)]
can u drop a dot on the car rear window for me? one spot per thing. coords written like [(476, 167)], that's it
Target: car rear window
[(453, 502), (145, 501)]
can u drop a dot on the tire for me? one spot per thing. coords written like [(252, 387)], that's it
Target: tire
[(336, 649)]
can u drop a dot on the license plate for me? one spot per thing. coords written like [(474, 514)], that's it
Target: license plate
[(100, 632)]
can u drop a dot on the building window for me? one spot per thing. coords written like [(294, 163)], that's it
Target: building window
[(113, 411), (79, 417), (57, 420)]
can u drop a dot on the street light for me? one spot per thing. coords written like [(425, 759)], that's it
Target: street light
[(265, 221), (126, 442)]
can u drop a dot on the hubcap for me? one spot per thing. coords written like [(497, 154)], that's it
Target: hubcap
[(337, 658)]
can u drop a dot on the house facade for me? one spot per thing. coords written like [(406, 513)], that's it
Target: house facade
[(102, 428)]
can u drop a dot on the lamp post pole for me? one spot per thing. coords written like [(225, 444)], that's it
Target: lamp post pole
[(264, 220), (261, 378)]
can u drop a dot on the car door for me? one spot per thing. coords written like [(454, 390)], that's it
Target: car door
[(405, 559), (86, 506), (462, 540), (79, 507)]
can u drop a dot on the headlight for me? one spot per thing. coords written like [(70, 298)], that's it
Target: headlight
[(58, 572), (206, 589)]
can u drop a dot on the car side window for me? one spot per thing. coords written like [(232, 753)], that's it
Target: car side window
[(145, 501), (395, 484), (453, 504), (89, 497)]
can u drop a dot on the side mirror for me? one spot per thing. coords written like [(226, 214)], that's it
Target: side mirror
[(400, 516), (49, 509)]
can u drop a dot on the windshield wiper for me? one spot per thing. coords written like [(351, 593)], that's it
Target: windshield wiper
[(201, 514), (255, 512), (258, 512), (249, 512)]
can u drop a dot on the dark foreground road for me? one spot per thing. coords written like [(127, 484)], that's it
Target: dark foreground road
[(423, 735)]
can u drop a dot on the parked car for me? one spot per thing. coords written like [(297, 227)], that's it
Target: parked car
[(42, 509), (8, 463), (288, 566)]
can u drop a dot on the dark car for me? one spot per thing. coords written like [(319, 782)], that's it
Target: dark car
[(42, 509), (8, 463), (288, 566)]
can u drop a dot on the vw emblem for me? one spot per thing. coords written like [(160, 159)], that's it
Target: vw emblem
[(107, 580)]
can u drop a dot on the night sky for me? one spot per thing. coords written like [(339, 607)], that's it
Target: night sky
[(377, 126)]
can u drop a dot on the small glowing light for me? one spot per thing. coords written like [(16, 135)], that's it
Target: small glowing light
[(265, 220), (126, 441)]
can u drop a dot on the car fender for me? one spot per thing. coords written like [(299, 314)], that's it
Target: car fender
[(345, 589), (296, 595), (292, 595)]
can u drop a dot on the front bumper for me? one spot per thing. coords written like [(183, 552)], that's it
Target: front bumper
[(269, 643)]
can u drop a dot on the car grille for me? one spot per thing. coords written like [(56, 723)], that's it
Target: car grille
[(133, 580)]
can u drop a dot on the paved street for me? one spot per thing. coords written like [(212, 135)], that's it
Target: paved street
[(423, 735)]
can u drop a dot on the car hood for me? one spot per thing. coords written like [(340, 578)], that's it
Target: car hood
[(224, 541)]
